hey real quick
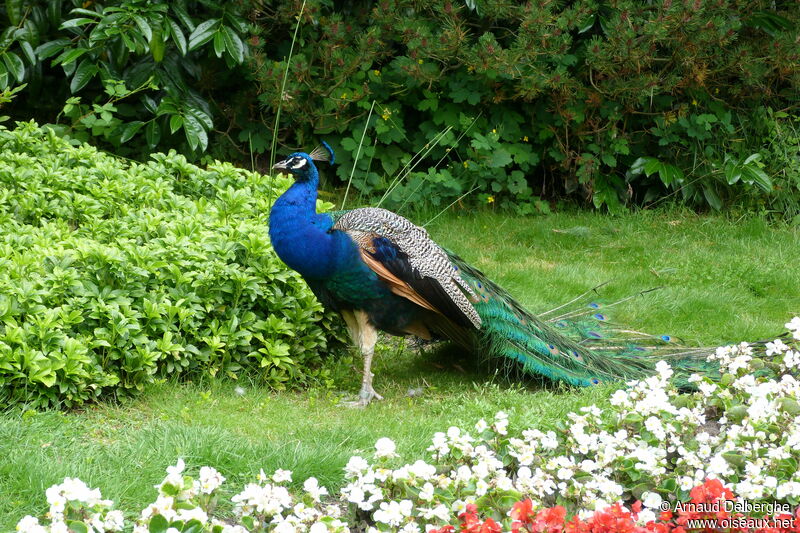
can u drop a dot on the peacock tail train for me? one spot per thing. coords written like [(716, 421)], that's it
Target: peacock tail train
[(575, 342), (382, 272)]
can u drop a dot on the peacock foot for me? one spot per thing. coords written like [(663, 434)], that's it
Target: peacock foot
[(364, 398)]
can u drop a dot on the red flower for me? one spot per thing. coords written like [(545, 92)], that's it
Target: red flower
[(471, 523), (707, 502), (490, 526), (522, 510), (576, 525), (613, 519), (655, 527), (710, 491), (550, 520)]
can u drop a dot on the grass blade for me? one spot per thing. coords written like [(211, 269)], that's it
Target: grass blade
[(280, 97), (358, 154)]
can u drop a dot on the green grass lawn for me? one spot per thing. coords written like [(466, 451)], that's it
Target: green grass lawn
[(723, 281)]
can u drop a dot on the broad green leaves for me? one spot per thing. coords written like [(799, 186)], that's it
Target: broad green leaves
[(142, 46), (118, 273)]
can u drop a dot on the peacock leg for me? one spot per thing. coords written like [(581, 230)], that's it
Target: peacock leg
[(369, 337), (365, 336)]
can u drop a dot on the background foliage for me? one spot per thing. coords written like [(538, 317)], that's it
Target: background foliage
[(116, 274), (547, 98), (610, 102), (123, 70)]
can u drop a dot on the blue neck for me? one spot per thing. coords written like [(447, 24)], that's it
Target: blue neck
[(300, 236)]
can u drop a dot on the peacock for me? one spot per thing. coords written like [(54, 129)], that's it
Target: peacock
[(381, 272)]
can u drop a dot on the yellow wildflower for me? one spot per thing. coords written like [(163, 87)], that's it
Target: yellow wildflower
[(525, 138), (420, 61), (494, 131), (376, 72), (694, 102), (466, 164), (490, 199)]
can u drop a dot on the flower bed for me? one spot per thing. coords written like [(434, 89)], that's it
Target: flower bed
[(632, 468)]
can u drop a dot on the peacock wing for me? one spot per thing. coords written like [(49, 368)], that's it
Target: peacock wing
[(405, 257)]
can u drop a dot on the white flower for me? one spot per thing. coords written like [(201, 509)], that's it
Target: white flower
[(645, 517), (60, 527), (426, 493), (651, 500), (281, 476), (73, 489), (313, 488), (501, 422), (356, 466), (177, 469), (707, 389), (653, 425), (115, 521), (619, 398), (564, 473), (393, 513), (174, 476), (439, 446), (440, 512), (192, 514), (355, 495), (791, 360), (481, 426), (664, 370), (30, 524), (162, 505), (463, 474), (318, 527), (385, 447), (794, 327), (776, 347), (269, 499), (422, 470), (227, 528), (210, 479)]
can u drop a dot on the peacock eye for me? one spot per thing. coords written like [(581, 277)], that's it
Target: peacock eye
[(297, 162)]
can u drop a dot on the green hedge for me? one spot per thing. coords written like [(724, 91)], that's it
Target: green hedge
[(613, 102), (114, 274), (509, 103)]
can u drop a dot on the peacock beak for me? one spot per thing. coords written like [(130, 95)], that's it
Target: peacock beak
[(281, 165)]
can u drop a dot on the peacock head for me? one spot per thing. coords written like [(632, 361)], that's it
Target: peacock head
[(301, 164)]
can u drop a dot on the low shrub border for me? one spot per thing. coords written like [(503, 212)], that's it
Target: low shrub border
[(657, 461)]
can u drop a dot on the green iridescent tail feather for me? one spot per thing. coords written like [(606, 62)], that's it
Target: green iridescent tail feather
[(574, 343)]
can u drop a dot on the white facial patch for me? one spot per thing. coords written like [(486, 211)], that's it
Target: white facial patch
[(297, 162)]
